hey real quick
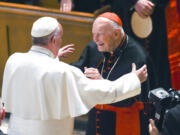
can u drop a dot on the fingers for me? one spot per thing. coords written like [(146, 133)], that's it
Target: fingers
[(144, 68), (65, 51), (148, 9), (68, 46), (85, 68), (66, 6), (142, 73), (150, 125), (152, 128), (133, 67), (145, 71), (151, 121), (90, 70), (151, 4), (144, 8), (92, 73), (68, 51)]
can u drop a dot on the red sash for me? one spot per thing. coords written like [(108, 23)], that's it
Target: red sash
[(127, 118)]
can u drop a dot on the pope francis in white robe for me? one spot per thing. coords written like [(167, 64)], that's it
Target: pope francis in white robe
[(44, 94)]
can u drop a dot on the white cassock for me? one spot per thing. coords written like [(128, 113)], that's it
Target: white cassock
[(44, 95)]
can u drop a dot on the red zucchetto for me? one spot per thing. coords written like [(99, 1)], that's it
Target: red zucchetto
[(112, 16)]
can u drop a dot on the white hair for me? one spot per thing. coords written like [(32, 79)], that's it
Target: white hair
[(114, 24)]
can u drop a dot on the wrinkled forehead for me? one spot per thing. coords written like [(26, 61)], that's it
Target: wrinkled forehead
[(101, 24), (101, 20)]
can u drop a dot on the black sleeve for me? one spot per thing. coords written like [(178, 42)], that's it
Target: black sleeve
[(171, 125), (122, 5), (160, 3), (131, 3), (83, 59), (90, 57)]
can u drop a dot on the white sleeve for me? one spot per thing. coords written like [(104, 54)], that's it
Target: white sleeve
[(84, 93), (127, 86), (60, 90)]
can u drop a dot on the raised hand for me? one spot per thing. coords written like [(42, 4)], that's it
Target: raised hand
[(141, 73), (65, 51)]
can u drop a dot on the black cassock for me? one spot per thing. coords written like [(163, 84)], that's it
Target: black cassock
[(89, 5), (90, 57), (112, 68), (156, 44), (171, 124), (121, 63)]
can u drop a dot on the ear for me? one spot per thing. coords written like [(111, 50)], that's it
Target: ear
[(53, 40), (117, 33)]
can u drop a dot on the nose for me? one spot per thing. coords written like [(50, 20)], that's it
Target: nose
[(95, 37)]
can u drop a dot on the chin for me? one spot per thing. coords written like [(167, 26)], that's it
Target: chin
[(101, 49)]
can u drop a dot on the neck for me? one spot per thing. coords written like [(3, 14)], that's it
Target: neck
[(122, 39), (119, 42), (55, 53)]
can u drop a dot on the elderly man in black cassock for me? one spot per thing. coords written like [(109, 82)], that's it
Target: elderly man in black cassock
[(119, 51)]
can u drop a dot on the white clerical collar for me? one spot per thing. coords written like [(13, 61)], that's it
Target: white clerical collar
[(42, 50)]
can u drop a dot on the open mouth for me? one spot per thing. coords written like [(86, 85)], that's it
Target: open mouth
[(101, 44)]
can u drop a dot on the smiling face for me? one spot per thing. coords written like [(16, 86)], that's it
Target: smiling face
[(104, 35)]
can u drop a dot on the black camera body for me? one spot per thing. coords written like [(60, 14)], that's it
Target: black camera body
[(162, 101)]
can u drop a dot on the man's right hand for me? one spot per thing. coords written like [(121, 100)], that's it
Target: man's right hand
[(141, 73), (65, 51)]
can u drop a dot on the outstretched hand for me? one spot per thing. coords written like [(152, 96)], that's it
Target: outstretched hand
[(65, 51), (141, 73)]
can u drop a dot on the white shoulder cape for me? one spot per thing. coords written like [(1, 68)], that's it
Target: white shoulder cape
[(36, 86)]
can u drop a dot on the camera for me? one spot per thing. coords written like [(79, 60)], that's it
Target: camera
[(162, 101)]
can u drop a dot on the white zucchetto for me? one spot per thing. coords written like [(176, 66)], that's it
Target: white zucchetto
[(44, 26)]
